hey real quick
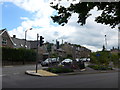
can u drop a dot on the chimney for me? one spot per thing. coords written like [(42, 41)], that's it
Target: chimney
[(14, 36)]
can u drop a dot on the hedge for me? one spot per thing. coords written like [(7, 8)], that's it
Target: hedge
[(104, 57), (13, 54), (100, 67), (59, 69)]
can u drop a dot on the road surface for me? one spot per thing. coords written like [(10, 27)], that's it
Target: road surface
[(15, 77)]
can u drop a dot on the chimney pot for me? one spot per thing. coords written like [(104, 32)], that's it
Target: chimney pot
[(14, 36)]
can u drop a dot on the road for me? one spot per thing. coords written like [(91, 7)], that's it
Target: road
[(14, 77)]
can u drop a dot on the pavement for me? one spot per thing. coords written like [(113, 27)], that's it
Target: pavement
[(87, 70), (40, 73)]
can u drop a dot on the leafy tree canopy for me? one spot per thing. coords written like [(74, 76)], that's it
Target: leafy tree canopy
[(110, 12)]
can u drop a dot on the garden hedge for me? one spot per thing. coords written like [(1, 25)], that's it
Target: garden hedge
[(13, 54)]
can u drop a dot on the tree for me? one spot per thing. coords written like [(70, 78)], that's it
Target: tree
[(103, 48), (102, 58), (110, 12)]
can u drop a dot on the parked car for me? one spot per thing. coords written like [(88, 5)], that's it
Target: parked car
[(77, 59), (50, 61), (85, 59), (66, 61)]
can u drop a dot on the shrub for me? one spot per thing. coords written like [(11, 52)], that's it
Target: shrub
[(59, 69), (13, 54), (100, 67), (100, 57)]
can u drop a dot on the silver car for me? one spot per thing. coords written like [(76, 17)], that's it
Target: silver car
[(50, 61)]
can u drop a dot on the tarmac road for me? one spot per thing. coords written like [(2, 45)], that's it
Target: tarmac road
[(21, 80)]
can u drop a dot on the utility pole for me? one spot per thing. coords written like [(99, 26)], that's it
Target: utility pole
[(37, 53), (74, 57), (118, 36), (57, 49), (74, 53)]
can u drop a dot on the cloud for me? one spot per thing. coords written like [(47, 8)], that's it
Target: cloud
[(90, 35)]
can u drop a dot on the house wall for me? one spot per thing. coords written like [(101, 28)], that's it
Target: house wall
[(80, 52), (7, 38), (0, 41), (67, 48)]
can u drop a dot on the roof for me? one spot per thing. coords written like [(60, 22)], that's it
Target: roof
[(19, 43), (3, 31), (33, 44)]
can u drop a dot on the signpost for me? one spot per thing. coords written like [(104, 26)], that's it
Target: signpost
[(38, 44), (98, 55)]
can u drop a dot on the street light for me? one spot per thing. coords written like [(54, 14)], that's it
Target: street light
[(26, 36), (25, 43), (106, 42)]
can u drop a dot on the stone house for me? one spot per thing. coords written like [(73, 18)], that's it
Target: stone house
[(64, 50), (20, 43), (78, 51), (6, 39), (12, 42)]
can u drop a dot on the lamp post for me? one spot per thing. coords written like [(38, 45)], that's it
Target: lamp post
[(105, 42), (25, 43), (26, 36)]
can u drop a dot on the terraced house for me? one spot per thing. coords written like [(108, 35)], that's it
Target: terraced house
[(6, 39), (64, 50)]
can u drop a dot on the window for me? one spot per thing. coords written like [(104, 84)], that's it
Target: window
[(4, 42)]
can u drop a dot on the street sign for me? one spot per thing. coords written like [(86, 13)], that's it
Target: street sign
[(97, 54)]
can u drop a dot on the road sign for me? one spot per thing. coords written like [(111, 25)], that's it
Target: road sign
[(97, 54)]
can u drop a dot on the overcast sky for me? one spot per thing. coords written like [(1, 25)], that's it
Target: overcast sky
[(20, 15)]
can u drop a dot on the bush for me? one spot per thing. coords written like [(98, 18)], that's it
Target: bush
[(103, 58), (100, 67), (13, 54), (59, 69)]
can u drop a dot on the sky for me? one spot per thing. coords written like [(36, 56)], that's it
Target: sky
[(20, 15)]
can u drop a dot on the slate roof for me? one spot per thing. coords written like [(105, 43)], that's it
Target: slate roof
[(2, 31), (33, 44), (19, 43)]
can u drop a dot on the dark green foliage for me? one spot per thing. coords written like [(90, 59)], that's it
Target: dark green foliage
[(59, 69), (12, 54), (54, 55), (49, 46), (100, 67), (69, 56), (115, 59), (104, 58), (110, 12), (103, 48)]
